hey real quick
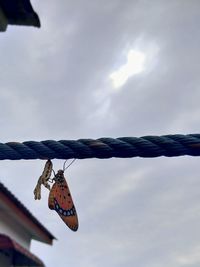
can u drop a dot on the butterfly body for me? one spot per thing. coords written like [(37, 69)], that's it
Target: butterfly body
[(61, 201)]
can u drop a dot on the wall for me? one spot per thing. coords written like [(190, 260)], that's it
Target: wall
[(15, 231)]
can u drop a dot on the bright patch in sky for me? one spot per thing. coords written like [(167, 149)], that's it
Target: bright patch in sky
[(134, 65)]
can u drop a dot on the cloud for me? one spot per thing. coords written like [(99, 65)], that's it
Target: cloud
[(190, 258)]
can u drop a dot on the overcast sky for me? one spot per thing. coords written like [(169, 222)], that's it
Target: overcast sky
[(108, 69)]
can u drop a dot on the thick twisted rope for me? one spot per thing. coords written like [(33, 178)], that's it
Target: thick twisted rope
[(123, 147)]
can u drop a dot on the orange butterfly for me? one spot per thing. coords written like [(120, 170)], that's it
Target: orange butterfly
[(61, 201)]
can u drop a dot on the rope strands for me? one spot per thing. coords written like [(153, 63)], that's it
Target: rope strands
[(102, 148)]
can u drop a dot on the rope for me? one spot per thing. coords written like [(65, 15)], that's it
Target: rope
[(123, 147)]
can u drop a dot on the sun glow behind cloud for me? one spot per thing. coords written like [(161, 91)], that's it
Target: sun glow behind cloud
[(134, 65)]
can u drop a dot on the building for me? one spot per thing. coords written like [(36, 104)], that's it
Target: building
[(17, 12), (17, 227)]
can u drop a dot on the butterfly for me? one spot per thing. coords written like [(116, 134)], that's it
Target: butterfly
[(61, 201), (60, 198)]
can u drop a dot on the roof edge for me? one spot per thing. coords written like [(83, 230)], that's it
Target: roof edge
[(26, 215)]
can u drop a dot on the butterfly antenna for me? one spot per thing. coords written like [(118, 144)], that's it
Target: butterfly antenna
[(64, 168), (64, 164)]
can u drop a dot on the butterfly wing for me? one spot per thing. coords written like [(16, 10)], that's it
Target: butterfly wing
[(61, 201)]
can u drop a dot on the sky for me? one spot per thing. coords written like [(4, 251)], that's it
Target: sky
[(108, 69)]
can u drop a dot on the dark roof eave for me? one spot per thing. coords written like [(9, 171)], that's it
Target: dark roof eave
[(24, 20), (20, 12)]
